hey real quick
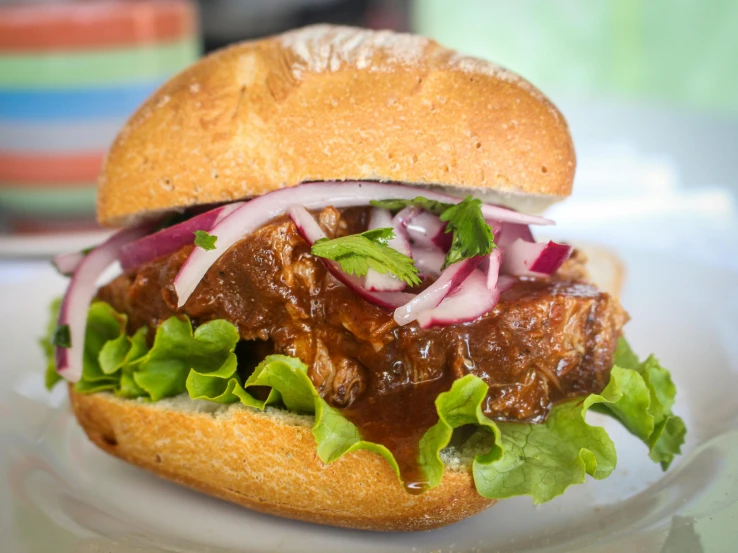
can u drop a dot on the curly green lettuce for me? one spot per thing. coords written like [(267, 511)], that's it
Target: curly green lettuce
[(47, 345), (540, 460), (640, 396)]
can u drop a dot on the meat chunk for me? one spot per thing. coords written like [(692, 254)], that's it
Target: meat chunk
[(545, 341), (557, 341)]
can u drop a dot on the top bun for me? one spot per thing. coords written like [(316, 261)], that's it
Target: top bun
[(337, 103)]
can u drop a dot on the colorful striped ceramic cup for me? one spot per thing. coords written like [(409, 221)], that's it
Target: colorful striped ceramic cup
[(71, 73)]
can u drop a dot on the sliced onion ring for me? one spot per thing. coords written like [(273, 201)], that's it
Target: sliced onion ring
[(171, 239), (404, 216), (505, 282), (259, 211), (524, 258), (66, 263), (506, 215), (81, 290), (375, 281), (426, 229), (432, 296), (491, 267), (383, 218), (469, 301), (310, 230), (429, 261), (508, 233)]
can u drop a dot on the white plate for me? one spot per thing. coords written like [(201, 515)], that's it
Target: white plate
[(63, 495)]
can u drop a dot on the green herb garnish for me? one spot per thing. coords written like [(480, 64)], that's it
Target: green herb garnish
[(204, 240), (62, 337), (472, 236), (358, 253), (434, 206)]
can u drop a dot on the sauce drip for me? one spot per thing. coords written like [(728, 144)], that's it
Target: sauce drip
[(398, 421)]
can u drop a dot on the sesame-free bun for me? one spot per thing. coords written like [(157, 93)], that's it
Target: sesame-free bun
[(337, 103), (267, 461)]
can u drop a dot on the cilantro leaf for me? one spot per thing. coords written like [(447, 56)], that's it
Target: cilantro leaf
[(62, 337), (204, 240), (472, 235), (380, 236), (434, 206), (357, 253)]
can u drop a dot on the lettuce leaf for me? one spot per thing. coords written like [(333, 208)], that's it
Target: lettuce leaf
[(460, 406), (335, 434), (641, 396), (106, 330), (177, 351), (291, 387), (51, 377), (540, 460)]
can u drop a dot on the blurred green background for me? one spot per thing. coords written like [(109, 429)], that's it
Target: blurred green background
[(679, 53), (646, 77)]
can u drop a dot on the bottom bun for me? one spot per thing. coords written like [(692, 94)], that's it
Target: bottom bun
[(267, 461)]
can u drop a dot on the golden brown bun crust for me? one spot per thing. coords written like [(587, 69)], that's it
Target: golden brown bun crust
[(336, 103), (263, 463)]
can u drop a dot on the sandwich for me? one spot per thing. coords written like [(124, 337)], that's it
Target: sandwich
[(330, 305)]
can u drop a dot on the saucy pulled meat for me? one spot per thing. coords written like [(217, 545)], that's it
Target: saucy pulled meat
[(545, 341)]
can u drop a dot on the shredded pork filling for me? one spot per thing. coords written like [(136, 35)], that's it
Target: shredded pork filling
[(546, 340)]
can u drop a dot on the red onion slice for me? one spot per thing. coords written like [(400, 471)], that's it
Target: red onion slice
[(429, 261), (432, 296), (510, 232), (505, 282), (66, 263), (469, 301), (551, 258), (310, 230), (524, 258), (491, 267), (505, 215), (385, 219), (81, 290), (259, 211), (375, 281), (404, 216), (426, 229), (171, 239)]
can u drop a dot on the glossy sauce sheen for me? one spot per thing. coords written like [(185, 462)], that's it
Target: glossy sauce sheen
[(398, 421), (545, 341)]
